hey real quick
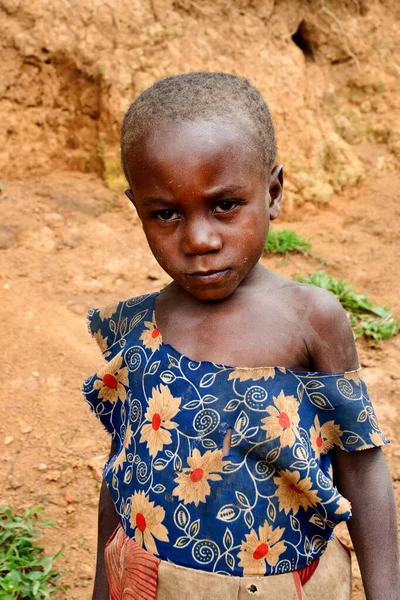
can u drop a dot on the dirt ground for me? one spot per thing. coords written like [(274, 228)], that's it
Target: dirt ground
[(69, 243)]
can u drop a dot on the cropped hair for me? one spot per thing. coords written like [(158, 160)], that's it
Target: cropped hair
[(191, 96)]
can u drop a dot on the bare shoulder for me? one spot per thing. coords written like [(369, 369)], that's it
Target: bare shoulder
[(324, 304), (328, 334), (325, 307)]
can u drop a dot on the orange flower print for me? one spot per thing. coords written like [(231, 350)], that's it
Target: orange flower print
[(162, 408), (151, 336), (193, 481), (146, 519), (283, 420), (112, 380), (324, 437), (257, 550), (294, 493), (245, 374), (121, 458)]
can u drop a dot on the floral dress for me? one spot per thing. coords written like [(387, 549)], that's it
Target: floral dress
[(270, 505)]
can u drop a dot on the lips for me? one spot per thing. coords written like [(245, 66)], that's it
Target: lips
[(210, 276), (205, 273)]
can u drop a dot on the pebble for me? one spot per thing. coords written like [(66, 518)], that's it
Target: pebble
[(53, 476), (86, 571), (53, 219), (70, 509), (26, 429), (8, 440), (70, 238), (42, 467)]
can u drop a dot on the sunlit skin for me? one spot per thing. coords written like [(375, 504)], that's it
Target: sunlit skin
[(205, 206)]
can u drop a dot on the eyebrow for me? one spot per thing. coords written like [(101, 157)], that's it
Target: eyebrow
[(216, 192), (212, 194), (157, 200)]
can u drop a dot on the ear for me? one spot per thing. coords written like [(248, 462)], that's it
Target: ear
[(132, 198), (275, 192)]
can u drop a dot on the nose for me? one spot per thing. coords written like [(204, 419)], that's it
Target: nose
[(200, 237)]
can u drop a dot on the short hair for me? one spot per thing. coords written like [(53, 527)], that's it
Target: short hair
[(190, 96)]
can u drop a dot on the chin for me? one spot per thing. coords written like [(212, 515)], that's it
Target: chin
[(209, 294)]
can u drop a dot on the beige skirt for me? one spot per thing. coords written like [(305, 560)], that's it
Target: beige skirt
[(135, 574)]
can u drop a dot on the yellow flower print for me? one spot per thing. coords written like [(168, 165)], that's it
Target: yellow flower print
[(294, 493), (101, 341), (376, 438), (344, 506), (147, 520), (121, 458), (353, 376), (151, 336), (112, 380), (119, 461), (162, 408), (324, 437), (252, 374), (193, 481), (283, 420), (106, 312), (257, 550)]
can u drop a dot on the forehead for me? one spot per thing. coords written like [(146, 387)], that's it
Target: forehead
[(201, 152)]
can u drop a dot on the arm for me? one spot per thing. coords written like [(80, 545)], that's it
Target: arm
[(364, 479), (107, 522)]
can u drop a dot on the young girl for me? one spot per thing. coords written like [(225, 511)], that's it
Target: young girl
[(233, 396)]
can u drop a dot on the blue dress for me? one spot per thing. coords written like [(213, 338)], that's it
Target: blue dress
[(268, 507)]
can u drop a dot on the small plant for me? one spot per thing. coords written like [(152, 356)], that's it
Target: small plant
[(24, 571), (280, 242), (381, 326)]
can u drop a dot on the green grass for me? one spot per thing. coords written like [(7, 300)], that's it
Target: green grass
[(366, 318), (281, 242), (24, 570)]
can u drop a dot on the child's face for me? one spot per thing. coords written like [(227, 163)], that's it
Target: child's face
[(204, 203)]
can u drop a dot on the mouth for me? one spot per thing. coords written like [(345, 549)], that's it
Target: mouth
[(207, 276)]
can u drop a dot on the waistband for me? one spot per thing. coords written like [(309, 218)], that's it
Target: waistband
[(135, 574)]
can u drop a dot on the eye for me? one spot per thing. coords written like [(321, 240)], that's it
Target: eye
[(224, 206), (167, 215)]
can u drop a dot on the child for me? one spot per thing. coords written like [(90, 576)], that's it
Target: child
[(220, 481)]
